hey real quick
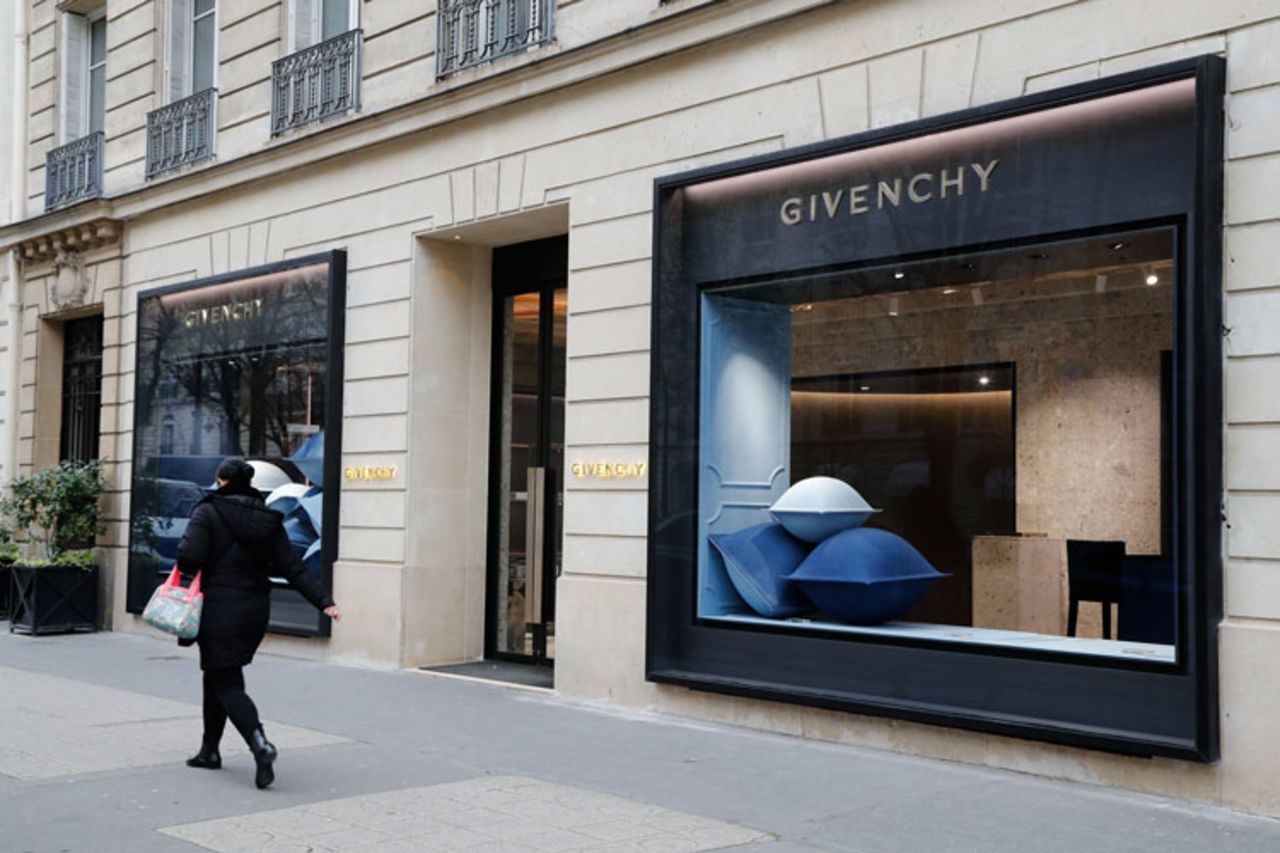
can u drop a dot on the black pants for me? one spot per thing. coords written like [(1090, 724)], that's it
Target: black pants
[(224, 697)]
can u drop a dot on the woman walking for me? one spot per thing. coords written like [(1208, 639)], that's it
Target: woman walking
[(238, 544)]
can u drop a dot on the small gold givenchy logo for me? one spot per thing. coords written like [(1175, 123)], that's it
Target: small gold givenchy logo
[(920, 188), (358, 473), (608, 470)]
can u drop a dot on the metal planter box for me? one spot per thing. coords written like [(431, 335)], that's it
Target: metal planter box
[(52, 600)]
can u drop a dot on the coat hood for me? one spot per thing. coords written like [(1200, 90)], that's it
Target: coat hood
[(246, 517)]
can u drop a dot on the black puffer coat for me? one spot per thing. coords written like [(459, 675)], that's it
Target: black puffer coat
[(239, 545)]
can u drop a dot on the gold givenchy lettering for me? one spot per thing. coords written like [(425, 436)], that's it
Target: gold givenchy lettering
[(371, 472), (864, 198), (230, 312), (608, 470)]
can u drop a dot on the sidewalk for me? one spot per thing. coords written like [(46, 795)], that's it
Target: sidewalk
[(93, 730)]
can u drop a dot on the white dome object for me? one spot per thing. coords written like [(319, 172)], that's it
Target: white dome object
[(268, 477), (818, 507), (285, 498)]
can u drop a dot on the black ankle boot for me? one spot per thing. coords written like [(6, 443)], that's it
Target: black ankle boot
[(264, 755), (207, 758)]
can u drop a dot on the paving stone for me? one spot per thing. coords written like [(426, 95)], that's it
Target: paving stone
[(467, 815), (79, 728)]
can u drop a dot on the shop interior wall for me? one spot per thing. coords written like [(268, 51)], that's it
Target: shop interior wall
[(1087, 411)]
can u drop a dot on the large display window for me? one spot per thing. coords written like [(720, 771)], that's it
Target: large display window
[(936, 420), (246, 364)]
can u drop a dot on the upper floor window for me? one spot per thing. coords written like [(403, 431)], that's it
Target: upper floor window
[(204, 25), (192, 47), (314, 21), (84, 73)]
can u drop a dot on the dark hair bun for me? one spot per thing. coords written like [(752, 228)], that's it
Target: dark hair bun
[(236, 472)]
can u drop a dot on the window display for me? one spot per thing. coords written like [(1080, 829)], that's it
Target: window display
[(935, 423), (243, 365), (997, 421)]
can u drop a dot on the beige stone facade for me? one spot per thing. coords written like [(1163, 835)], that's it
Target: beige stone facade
[(567, 139)]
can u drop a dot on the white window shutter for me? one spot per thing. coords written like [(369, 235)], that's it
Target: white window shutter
[(178, 59), (304, 24), (74, 113)]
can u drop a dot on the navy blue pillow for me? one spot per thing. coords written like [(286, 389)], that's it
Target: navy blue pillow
[(865, 576), (758, 559)]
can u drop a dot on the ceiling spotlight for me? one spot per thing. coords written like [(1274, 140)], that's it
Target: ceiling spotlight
[(1153, 279), (865, 388), (1037, 256), (984, 380), (899, 275), (457, 236), (947, 291), (1117, 246)]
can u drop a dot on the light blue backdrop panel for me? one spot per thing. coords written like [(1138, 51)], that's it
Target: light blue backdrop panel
[(745, 431)]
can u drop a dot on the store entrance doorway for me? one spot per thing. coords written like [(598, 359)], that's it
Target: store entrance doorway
[(526, 463)]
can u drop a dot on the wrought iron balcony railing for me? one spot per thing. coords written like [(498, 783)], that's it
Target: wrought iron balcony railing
[(472, 32), (182, 133), (316, 83), (73, 172)]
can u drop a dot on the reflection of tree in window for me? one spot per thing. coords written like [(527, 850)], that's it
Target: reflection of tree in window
[(167, 436), (255, 381)]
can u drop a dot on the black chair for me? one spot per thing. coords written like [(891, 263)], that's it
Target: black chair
[(1149, 600), (1094, 573)]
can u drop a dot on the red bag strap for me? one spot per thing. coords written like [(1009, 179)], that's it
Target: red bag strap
[(175, 582)]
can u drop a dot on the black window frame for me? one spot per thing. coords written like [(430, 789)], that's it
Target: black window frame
[(1113, 705), (335, 348)]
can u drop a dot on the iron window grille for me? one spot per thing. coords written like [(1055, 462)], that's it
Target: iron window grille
[(316, 83), (473, 32), (81, 388), (73, 172), (182, 133)]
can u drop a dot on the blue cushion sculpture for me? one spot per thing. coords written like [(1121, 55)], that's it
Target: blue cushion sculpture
[(757, 559), (818, 507), (865, 576)]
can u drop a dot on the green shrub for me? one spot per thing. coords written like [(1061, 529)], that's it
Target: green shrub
[(79, 558), (57, 508)]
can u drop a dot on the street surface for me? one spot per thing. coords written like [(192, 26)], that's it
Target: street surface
[(94, 729)]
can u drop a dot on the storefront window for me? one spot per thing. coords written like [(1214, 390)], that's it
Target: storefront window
[(1006, 412), (241, 366), (936, 419)]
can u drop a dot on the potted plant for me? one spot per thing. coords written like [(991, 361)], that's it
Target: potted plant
[(54, 583), (8, 553)]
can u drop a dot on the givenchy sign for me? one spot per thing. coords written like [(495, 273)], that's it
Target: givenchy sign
[(368, 473), (920, 188), (608, 470), (228, 312)]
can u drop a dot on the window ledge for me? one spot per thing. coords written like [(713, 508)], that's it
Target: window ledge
[(963, 635)]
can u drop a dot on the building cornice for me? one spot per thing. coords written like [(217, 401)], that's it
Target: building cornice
[(80, 237), (671, 28)]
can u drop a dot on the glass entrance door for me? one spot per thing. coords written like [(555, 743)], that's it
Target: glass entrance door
[(527, 454)]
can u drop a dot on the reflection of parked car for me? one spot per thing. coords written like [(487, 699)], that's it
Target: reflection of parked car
[(174, 501)]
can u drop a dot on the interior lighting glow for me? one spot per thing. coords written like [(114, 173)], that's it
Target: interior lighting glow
[(1153, 279)]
